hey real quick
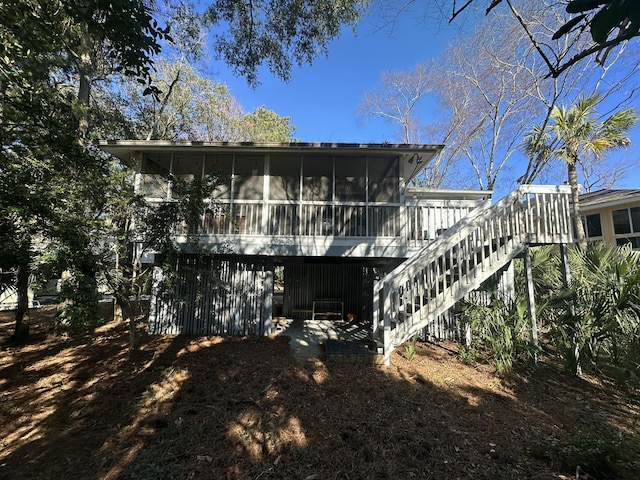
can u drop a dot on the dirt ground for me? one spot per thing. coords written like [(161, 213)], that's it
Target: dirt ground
[(244, 408)]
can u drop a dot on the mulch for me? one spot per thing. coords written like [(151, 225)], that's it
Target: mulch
[(180, 407)]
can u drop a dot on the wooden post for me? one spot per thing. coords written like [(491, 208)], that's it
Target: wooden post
[(566, 278), (566, 271), (267, 315), (532, 303), (506, 284), (386, 306), (377, 294), (467, 333)]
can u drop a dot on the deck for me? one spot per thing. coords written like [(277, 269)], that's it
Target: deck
[(324, 228)]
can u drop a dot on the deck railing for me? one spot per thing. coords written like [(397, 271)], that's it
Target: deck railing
[(427, 221), (417, 222), (456, 263)]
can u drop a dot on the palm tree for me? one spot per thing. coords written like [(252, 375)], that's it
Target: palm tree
[(572, 134)]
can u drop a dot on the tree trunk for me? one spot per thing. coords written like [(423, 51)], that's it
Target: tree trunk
[(22, 312), (132, 315), (578, 227), (123, 311), (84, 94)]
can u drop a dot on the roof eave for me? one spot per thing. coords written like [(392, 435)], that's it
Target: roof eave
[(116, 147)]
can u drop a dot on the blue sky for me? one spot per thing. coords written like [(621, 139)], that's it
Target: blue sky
[(322, 98)]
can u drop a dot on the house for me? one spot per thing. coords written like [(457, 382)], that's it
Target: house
[(343, 228), (612, 216)]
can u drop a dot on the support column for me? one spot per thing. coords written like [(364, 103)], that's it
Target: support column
[(532, 302), (377, 301), (386, 305), (507, 284), (267, 312), (566, 279), (566, 271)]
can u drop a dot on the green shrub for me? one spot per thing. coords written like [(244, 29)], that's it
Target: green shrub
[(410, 347), (81, 312), (500, 329), (599, 329)]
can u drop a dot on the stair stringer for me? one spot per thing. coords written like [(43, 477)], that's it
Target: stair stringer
[(457, 291)]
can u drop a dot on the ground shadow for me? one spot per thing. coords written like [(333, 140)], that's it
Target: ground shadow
[(245, 408)]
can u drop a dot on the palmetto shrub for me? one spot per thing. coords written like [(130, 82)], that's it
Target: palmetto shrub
[(599, 329), (499, 329), (594, 323)]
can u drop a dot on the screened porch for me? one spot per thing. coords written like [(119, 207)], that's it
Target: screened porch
[(282, 194)]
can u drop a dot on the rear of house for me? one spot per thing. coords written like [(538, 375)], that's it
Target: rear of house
[(323, 230)]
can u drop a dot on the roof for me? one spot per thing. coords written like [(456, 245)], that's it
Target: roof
[(413, 156), (441, 194), (608, 198), (120, 148)]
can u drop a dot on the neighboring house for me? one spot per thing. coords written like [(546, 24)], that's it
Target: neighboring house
[(9, 299), (612, 216), (352, 239)]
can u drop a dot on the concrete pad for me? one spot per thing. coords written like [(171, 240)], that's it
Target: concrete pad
[(308, 339)]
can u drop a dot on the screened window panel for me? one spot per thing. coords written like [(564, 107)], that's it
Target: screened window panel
[(384, 180), (155, 175), (187, 166), (284, 178), (220, 166), (249, 177), (317, 178), (351, 179)]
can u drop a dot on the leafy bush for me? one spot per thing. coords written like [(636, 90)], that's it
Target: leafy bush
[(410, 347), (500, 328), (81, 312), (600, 325)]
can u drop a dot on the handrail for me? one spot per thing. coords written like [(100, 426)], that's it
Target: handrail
[(458, 261), (334, 219)]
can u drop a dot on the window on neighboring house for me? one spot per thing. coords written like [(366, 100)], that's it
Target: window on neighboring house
[(626, 226), (634, 241), (592, 225)]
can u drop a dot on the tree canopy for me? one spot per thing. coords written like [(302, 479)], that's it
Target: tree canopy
[(190, 106), (573, 135), (610, 23), (56, 61), (488, 88), (279, 33)]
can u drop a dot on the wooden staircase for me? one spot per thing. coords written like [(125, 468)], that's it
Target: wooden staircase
[(434, 279)]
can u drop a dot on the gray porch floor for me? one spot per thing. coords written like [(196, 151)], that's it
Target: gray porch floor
[(331, 340)]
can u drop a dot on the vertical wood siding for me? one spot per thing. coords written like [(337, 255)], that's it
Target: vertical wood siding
[(213, 296)]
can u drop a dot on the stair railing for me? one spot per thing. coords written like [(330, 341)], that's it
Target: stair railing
[(462, 258)]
